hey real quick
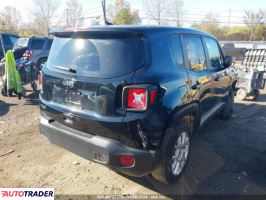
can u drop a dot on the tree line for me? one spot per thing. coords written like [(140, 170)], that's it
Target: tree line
[(44, 15), (253, 28)]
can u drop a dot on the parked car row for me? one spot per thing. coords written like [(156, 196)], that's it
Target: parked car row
[(30, 55), (8, 40), (38, 46)]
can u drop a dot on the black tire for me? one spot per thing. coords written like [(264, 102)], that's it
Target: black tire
[(228, 109), (254, 95), (19, 96), (10, 92), (39, 63), (241, 94), (4, 92), (34, 85), (163, 172)]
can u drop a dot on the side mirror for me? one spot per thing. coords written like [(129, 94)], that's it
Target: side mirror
[(228, 60)]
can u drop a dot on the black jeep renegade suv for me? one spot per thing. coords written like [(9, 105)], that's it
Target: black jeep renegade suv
[(131, 97)]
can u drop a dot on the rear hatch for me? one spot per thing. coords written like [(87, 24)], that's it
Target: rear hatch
[(84, 77)]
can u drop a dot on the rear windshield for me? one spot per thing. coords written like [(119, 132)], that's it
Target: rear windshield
[(21, 42), (97, 57)]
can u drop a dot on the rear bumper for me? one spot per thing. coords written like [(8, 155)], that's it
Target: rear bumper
[(98, 149)]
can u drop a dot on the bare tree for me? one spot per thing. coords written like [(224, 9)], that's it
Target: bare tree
[(30, 29), (73, 12), (176, 11), (210, 24), (156, 9), (10, 19), (43, 12), (253, 19)]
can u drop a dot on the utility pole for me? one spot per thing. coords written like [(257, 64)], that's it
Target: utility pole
[(229, 19), (67, 17)]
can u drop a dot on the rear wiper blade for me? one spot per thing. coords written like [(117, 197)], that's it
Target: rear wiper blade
[(66, 69)]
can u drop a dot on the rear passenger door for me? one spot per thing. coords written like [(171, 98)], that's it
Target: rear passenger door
[(200, 77)]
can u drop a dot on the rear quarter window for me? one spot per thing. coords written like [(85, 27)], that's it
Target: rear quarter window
[(177, 54)]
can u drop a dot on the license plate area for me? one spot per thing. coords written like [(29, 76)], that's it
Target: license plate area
[(73, 97), (99, 157)]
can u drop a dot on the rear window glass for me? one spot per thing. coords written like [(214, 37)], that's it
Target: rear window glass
[(98, 57), (37, 44), (13, 39), (21, 42)]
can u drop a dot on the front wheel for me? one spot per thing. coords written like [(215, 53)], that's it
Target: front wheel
[(176, 153), (254, 95)]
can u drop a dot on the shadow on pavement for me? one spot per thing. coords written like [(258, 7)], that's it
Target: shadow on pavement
[(261, 98), (227, 157), (32, 98), (4, 107)]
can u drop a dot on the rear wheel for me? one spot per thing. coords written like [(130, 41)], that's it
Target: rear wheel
[(34, 85), (241, 94), (176, 153), (41, 63)]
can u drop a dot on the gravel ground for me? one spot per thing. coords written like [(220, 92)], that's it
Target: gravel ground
[(228, 157)]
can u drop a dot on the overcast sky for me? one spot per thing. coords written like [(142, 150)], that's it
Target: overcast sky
[(194, 10)]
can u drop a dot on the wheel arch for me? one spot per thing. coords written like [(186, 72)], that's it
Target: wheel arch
[(41, 58), (180, 113), (39, 61)]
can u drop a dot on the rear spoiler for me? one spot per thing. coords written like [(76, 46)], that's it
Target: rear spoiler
[(97, 33)]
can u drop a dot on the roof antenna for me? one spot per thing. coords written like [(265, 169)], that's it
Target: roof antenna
[(104, 14)]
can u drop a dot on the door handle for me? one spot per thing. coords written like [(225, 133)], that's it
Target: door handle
[(196, 86), (217, 78)]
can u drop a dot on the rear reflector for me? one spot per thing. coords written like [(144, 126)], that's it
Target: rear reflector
[(137, 98), (127, 161), (40, 79), (152, 96)]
